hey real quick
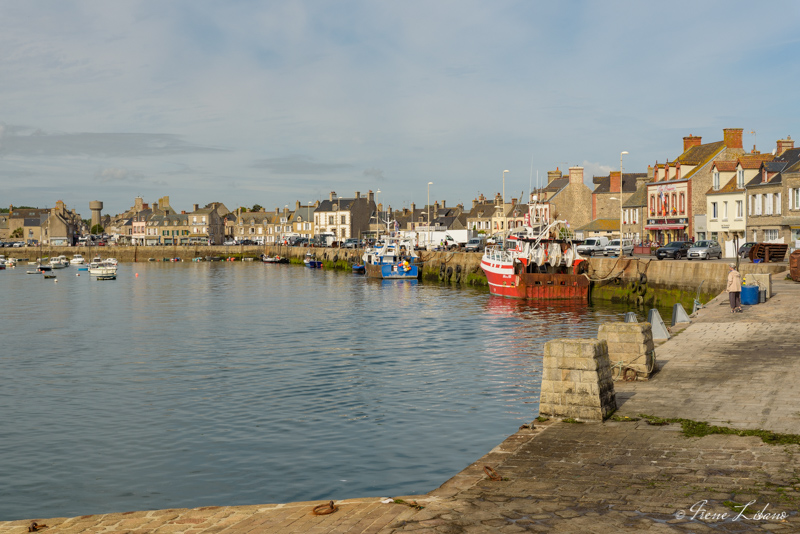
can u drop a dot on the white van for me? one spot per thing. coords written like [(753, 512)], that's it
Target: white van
[(592, 246)]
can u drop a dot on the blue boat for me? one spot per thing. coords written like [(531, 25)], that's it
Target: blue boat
[(392, 261), (311, 262), (358, 269)]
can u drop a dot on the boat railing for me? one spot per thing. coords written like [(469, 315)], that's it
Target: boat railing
[(496, 253)]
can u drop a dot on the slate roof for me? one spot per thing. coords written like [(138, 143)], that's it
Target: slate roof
[(343, 204), (600, 225), (628, 182), (638, 199), (557, 184), (482, 211), (697, 155)]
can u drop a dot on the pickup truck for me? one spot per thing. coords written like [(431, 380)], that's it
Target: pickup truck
[(592, 246)]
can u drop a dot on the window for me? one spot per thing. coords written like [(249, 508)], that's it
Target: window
[(750, 207), (740, 179), (768, 204), (770, 235), (758, 204), (778, 203), (797, 198), (331, 219), (716, 180), (739, 209), (724, 211), (713, 210), (683, 203), (674, 205), (194, 219), (344, 219)]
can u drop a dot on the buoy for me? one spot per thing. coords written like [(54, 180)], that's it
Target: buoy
[(77, 274), (137, 275)]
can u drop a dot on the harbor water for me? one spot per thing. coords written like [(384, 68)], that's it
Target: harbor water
[(197, 384)]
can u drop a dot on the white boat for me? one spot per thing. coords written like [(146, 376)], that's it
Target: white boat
[(102, 270), (58, 263), (110, 261), (11, 262), (77, 259)]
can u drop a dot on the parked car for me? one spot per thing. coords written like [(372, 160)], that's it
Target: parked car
[(18, 244), (744, 250), (229, 242), (612, 249), (674, 249), (592, 246), (351, 242), (475, 244), (704, 250)]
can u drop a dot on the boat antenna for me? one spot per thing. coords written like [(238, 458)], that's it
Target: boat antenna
[(530, 181)]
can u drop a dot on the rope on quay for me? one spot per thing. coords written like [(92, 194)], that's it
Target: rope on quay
[(491, 473), (324, 509)]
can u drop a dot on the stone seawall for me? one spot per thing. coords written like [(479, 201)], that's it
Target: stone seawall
[(666, 282)]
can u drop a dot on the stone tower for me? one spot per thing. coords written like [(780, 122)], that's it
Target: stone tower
[(96, 206)]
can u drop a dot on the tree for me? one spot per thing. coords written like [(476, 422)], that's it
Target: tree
[(257, 207), (96, 229), (17, 233)]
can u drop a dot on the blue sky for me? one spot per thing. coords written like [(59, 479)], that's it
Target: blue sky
[(271, 102)]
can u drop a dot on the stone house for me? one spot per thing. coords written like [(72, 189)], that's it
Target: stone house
[(255, 226), (677, 194), (772, 210), (302, 220), (634, 209), (727, 216), (29, 221), (61, 227), (207, 223), (479, 217), (569, 198), (168, 229), (345, 217), (608, 199)]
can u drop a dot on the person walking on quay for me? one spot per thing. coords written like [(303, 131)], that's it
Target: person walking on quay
[(735, 289)]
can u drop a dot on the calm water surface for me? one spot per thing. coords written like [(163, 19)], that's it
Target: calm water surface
[(199, 384)]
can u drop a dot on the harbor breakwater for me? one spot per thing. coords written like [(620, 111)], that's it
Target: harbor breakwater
[(639, 281)]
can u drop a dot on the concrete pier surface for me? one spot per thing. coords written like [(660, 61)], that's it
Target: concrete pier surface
[(738, 371)]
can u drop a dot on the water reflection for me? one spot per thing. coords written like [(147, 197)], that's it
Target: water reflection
[(200, 384)]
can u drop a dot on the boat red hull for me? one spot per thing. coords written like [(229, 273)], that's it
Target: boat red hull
[(503, 281)]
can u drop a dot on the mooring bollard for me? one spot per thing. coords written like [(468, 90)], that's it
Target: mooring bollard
[(576, 380)]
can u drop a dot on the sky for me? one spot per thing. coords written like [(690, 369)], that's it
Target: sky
[(252, 102)]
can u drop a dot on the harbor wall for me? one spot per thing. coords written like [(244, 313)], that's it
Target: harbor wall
[(621, 280)]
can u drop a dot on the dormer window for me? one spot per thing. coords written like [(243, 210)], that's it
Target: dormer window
[(740, 179), (716, 180)]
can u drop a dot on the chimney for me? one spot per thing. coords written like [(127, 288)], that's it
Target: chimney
[(444, 204), (689, 142), (575, 175), (732, 137), (370, 196), (155, 206), (513, 201), (474, 202), (785, 144), (183, 212), (286, 211), (333, 196), (277, 211), (145, 206), (436, 209), (297, 205), (481, 199), (137, 204), (316, 203), (413, 208), (614, 185), (196, 207), (358, 194), (553, 175)]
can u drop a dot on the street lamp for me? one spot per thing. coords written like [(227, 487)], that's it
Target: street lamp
[(429, 212), (378, 192), (505, 222), (623, 153)]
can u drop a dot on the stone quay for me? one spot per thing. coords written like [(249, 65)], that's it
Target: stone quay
[(652, 466)]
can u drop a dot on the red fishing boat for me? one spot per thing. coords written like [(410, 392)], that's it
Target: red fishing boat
[(536, 265)]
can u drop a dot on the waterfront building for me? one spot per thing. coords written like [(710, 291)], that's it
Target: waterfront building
[(253, 225), (302, 220), (773, 203), (207, 223), (569, 198), (609, 213), (677, 194), (725, 201), (61, 227), (345, 217)]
